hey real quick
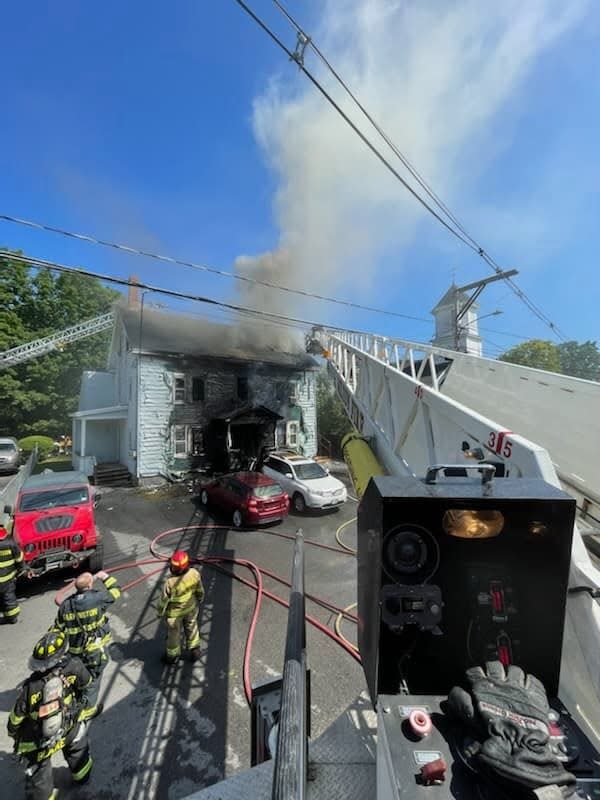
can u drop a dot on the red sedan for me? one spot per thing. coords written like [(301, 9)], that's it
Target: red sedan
[(250, 497)]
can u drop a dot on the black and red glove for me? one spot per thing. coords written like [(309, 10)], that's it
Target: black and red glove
[(507, 714)]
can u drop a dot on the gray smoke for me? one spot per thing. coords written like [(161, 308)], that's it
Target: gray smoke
[(435, 75)]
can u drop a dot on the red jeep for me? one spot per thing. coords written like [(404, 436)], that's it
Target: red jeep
[(53, 523)]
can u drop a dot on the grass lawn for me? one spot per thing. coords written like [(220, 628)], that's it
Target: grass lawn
[(55, 463)]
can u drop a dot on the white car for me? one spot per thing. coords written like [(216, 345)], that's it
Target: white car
[(305, 481)]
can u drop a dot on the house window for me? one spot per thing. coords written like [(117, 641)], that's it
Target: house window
[(292, 433), (242, 388), (179, 388), (197, 390), (197, 442), (179, 440)]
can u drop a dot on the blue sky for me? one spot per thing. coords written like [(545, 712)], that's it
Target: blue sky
[(182, 128)]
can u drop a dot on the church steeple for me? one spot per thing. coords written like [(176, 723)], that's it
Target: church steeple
[(463, 336)]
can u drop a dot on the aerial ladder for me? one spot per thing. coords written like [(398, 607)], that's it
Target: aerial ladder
[(56, 341)]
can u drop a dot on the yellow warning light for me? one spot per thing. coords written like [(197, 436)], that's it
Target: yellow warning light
[(471, 524)]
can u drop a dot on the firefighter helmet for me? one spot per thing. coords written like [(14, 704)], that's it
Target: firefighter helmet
[(49, 651), (179, 562)]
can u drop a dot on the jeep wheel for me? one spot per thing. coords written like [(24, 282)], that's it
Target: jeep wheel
[(238, 520), (299, 503), (96, 560), (204, 498)]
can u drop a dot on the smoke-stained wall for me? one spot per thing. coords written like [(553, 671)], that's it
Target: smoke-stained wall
[(289, 393)]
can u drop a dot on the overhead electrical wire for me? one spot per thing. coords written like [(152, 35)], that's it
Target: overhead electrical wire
[(84, 237), (354, 127), (454, 226), (53, 266)]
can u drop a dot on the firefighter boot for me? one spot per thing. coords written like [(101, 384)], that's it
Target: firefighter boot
[(195, 653)]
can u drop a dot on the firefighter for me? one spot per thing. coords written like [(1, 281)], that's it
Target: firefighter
[(82, 616), (181, 594), (45, 717), (11, 566)]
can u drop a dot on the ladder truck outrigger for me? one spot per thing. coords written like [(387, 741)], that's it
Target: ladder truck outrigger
[(469, 550)]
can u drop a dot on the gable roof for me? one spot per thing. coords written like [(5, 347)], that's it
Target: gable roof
[(448, 299), (179, 334)]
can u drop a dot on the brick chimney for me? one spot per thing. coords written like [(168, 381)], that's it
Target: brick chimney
[(133, 294)]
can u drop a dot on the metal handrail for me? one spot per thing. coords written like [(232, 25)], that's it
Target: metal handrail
[(289, 774)]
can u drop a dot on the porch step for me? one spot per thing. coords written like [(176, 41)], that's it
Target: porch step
[(111, 475)]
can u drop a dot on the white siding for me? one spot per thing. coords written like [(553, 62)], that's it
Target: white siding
[(155, 415), (306, 398), (97, 390)]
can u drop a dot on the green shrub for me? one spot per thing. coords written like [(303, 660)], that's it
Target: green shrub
[(45, 446)]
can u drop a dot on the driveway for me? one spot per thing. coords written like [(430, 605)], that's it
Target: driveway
[(168, 731)]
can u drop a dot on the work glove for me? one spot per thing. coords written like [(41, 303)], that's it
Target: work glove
[(507, 714)]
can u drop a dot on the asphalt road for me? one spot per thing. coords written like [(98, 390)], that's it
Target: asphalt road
[(168, 731)]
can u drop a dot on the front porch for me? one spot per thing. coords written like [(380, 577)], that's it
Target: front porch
[(97, 437)]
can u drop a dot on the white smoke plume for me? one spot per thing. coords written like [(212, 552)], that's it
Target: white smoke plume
[(435, 75)]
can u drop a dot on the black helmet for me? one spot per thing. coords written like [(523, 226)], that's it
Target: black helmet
[(49, 651)]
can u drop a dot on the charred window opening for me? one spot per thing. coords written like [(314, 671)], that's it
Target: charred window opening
[(198, 390), (242, 388)]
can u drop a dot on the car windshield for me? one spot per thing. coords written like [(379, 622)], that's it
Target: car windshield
[(7, 447), (267, 491), (37, 501), (308, 472)]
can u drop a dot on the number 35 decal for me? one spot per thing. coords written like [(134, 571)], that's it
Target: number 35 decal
[(499, 443)]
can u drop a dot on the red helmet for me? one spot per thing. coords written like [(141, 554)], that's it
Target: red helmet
[(179, 562)]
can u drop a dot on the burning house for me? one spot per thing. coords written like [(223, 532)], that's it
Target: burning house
[(183, 393)]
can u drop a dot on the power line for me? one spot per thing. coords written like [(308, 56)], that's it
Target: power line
[(254, 313), (251, 315), (458, 231), (200, 267), (354, 127)]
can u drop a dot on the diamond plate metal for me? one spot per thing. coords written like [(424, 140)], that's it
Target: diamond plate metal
[(341, 763)]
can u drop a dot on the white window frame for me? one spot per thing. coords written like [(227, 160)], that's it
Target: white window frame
[(179, 376), (292, 433), (175, 440)]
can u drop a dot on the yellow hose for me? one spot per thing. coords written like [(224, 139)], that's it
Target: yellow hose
[(338, 626), (338, 537)]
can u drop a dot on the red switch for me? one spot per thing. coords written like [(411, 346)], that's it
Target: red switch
[(434, 772)]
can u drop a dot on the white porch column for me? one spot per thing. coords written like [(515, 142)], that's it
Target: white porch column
[(83, 424)]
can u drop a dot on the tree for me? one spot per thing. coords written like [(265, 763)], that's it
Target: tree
[(578, 359), (534, 353), (37, 396), (332, 422), (582, 360)]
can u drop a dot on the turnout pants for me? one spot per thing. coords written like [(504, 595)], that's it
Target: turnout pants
[(39, 780), (9, 606), (189, 622), (95, 661)]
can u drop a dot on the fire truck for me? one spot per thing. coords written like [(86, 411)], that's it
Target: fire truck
[(477, 482)]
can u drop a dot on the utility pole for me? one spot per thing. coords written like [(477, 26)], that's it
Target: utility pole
[(478, 287)]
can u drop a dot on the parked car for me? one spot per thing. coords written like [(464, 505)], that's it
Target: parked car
[(53, 522), (307, 483), (250, 497), (10, 454)]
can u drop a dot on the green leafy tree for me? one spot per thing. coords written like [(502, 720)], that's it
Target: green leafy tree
[(332, 422), (37, 396), (582, 360), (578, 359), (534, 353)]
